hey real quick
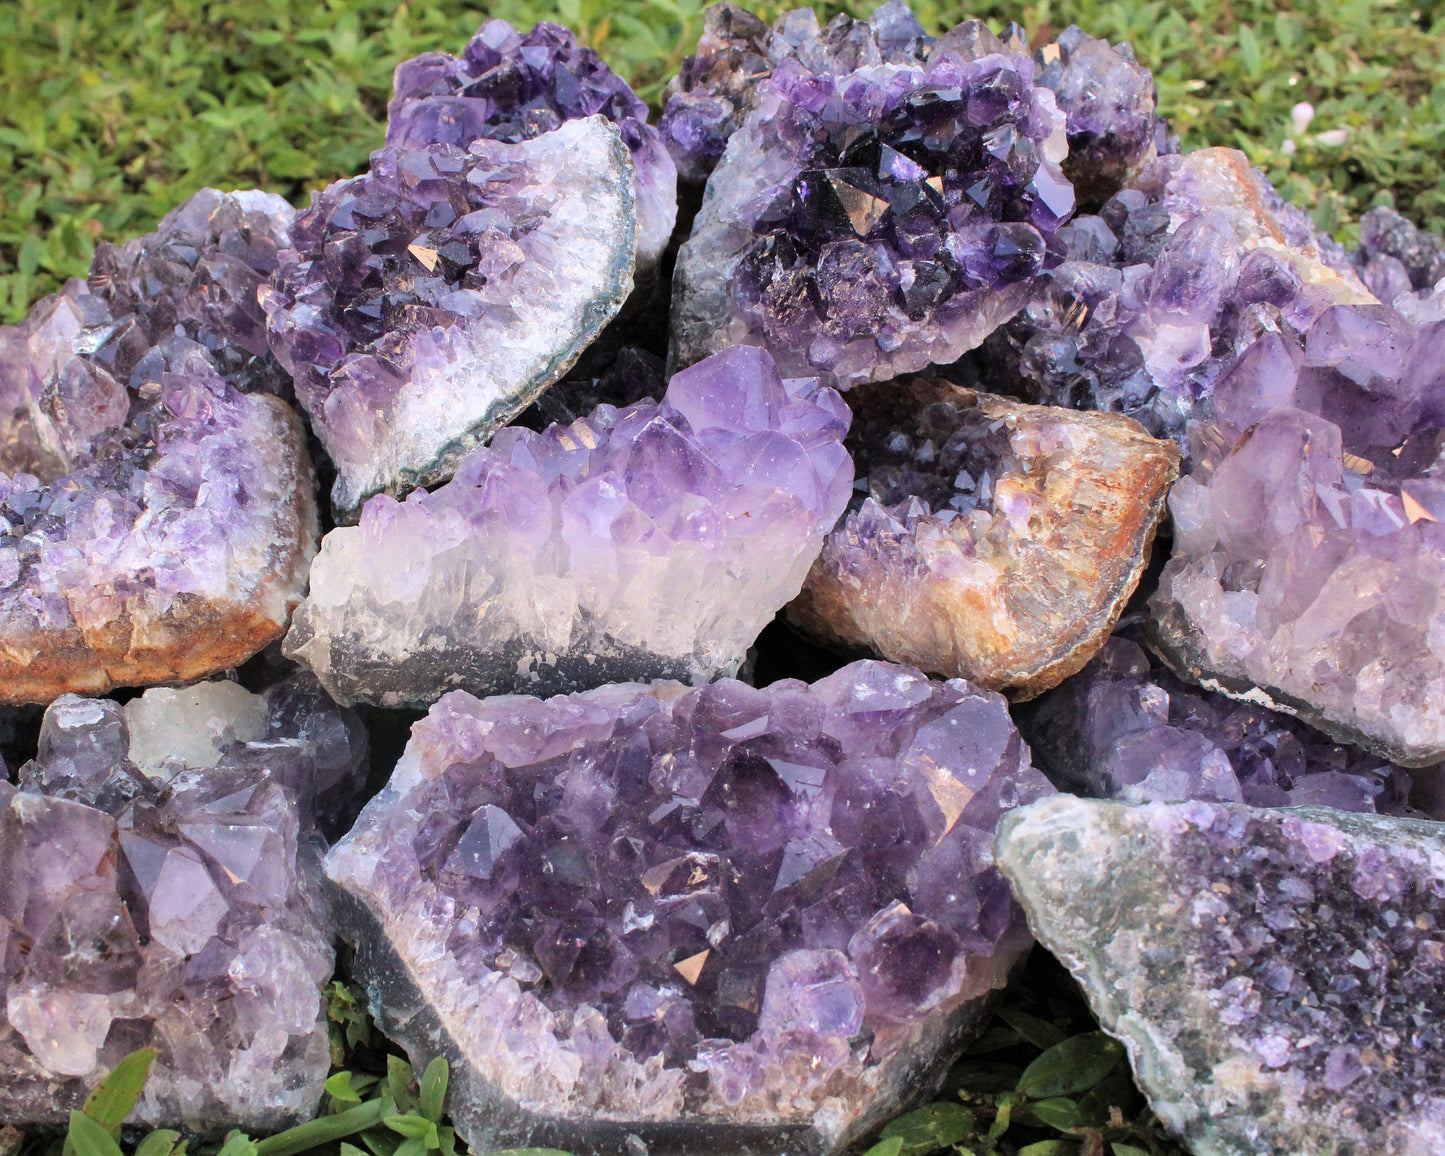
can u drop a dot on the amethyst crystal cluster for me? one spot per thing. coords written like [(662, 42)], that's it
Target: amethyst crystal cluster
[(430, 300), (868, 222), (651, 910), (161, 887), (1277, 976), (511, 86), (653, 541), (996, 541), (1127, 729), (155, 524), (1309, 550)]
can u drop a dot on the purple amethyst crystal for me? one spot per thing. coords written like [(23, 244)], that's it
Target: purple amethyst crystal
[(1278, 977), (1308, 571), (429, 300), (868, 223), (1178, 274), (1109, 101), (1126, 728), (1403, 265), (649, 542), (682, 914), (198, 274), (509, 86), (155, 524), (161, 889)]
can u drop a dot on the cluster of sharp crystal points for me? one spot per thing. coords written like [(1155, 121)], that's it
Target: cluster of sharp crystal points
[(650, 912)]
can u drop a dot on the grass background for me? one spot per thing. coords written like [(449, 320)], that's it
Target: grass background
[(113, 111)]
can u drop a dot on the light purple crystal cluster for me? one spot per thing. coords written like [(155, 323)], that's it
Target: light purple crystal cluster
[(428, 301), (161, 888), (1397, 260), (198, 275), (867, 223), (511, 86), (1277, 976), (155, 524), (1126, 728), (653, 541), (1179, 273), (1308, 570), (659, 909)]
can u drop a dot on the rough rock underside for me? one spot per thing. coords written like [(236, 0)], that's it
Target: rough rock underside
[(1278, 976), (650, 542), (661, 910), (161, 886), (430, 300), (997, 541)]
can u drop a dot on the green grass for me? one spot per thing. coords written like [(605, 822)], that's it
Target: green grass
[(112, 112)]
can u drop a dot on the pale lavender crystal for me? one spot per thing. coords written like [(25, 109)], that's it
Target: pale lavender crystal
[(867, 223), (1109, 100), (654, 541), (155, 524), (198, 274), (161, 888), (431, 299), (1125, 728), (1278, 977), (1178, 274), (721, 915), (511, 86), (1308, 570)]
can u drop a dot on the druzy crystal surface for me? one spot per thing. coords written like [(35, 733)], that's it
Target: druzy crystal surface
[(867, 223), (994, 540), (429, 300), (653, 541), (1156, 295), (1308, 570), (722, 916), (511, 86), (198, 274), (155, 524), (1278, 977), (1126, 728), (161, 888)]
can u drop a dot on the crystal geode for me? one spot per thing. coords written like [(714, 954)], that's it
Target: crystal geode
[(998, 541), (868, 223), (155, 524), (429, 300), (1278, 977), (1178, 274), (1308, 571), (198, 274), (509, 86), (1125, 728), (161, 888), (715, 917), (650, 542)]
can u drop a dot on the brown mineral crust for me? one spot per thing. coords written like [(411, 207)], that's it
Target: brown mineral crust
[(195, 637), (1016, 597)]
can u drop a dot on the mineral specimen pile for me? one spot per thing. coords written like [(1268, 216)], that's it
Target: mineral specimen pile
[(1308, 571), (429, 300), (1278, 977), (155, 524), (198, 274), (867, 223), (996, 541), (509, 86), (713, 918), (1126, 728), (161, 888), (1179, 273), (649, 542)]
